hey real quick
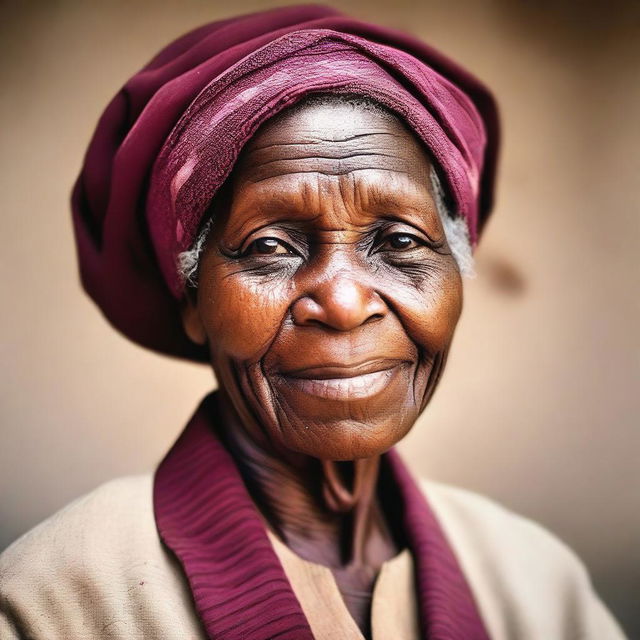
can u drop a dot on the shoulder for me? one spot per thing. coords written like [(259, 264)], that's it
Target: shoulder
[(93, 569), (527, 582), (471, 519), (84, 532)]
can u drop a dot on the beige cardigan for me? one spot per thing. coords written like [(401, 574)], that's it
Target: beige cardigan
[(97, 569)]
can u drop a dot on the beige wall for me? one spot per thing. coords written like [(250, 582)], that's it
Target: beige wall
[(539, 406)]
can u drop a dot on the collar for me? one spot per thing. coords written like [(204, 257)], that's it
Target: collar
[(207, 518)]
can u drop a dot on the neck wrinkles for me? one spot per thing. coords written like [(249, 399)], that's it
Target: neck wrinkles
[(325, 511)]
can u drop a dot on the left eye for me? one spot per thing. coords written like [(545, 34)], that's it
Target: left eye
[(399, 242), (266, 247)]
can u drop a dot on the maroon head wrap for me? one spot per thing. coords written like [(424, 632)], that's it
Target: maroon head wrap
[(171, 136)]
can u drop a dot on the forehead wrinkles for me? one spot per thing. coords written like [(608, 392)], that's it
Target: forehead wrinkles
[(334, 143), (329, 155), (350, 200)]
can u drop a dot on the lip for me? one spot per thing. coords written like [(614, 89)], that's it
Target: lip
[(333, 370), (340, 382)]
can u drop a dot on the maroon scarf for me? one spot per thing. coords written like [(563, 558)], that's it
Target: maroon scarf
[(206, 517)]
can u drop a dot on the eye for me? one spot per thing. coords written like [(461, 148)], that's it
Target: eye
[(267, 247), (399, 242)]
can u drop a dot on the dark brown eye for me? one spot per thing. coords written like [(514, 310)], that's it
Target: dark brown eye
[(267, 246), (399, 242)]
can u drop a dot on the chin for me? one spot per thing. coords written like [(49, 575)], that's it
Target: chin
[(344, 419), (342, 440), (334, 419)]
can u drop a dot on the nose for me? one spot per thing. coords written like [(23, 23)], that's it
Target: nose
[(341, 303)]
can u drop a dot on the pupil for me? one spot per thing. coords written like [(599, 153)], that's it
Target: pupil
[(400, 242), (266, 245)]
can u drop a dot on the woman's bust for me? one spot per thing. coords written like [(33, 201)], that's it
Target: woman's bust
[(314, 255)]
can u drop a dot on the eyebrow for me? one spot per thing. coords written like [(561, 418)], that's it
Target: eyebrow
[(303, 206), (301, 197)]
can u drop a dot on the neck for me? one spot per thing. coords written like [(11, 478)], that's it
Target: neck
[(325, 511)]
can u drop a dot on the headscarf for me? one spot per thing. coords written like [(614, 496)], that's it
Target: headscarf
[(170, 137)]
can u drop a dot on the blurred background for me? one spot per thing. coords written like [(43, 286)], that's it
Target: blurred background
[(539, 407)]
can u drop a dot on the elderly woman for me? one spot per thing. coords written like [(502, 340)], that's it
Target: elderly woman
[(292, 196)]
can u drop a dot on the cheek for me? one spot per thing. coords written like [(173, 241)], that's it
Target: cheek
[(254, 310), (430, 311)]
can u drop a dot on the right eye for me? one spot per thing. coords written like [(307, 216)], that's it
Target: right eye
[(267, 247), (400, 242)]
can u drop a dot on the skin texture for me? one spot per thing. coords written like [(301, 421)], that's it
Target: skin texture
[(328, 297)]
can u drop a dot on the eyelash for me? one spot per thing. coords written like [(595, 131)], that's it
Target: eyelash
[(396, 235), (377, 245), (290, 251)]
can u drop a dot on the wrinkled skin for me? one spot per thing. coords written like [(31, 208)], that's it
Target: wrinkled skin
[(328, 297)]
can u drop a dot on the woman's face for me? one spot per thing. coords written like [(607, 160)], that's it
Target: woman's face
[(327, 292)]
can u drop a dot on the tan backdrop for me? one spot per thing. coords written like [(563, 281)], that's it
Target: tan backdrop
[(539, 406)]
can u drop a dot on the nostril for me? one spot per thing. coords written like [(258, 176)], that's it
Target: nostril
[(314, 322), (374, 318), (306, 311), (342, 304)]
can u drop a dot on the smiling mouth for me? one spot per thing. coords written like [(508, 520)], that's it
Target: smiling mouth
[(343, 383)]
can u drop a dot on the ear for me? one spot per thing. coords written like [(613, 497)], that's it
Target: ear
[(191, 320)]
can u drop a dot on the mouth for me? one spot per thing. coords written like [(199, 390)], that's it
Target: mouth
[(339, 382)]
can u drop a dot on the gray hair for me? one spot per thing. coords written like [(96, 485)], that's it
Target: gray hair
[(455, 227), (456, 230)]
